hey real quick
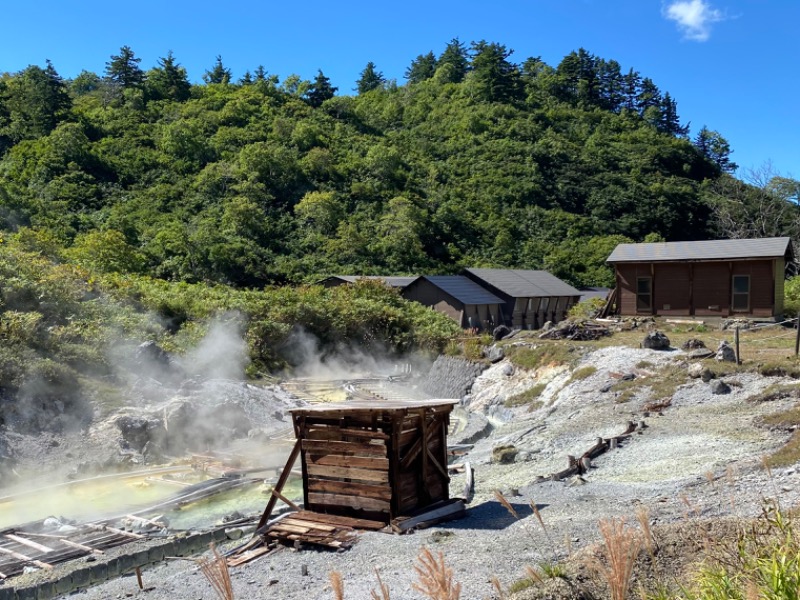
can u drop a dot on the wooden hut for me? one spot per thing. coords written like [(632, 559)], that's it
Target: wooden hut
[(461, 299), (705, 278), (373, 461), (530, 298), (391, 281)]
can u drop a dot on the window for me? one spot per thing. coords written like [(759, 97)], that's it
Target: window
[(741, 293), (644, 293)]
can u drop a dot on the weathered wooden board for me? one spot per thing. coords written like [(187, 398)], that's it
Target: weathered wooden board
[(362, 462), (321, 446), (348, 501), (349, 488), (314, 470)]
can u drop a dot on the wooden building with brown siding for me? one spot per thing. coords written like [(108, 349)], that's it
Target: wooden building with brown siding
[(717, 278), (373, 460)]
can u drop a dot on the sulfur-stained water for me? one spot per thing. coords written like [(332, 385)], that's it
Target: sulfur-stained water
[(88, 499), (109, 496)]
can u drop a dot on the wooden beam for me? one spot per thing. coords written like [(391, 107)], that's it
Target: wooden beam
[(285, 500), (279, 485), (29, 543), (82, 546), (19, 556)]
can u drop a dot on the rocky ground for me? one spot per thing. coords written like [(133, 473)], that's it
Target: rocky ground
[(698, 457)]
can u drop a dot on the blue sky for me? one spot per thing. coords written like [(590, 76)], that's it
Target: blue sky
[(732, 65)]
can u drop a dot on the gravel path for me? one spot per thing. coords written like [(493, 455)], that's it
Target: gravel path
[(702, 456)]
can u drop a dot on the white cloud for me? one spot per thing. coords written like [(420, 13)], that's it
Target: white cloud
[(694, 18)]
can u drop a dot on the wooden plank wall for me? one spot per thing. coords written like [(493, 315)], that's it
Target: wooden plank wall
[(374, 464), (346, 467)]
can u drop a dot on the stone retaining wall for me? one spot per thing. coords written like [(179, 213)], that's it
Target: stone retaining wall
[(451, 377), (80, 574)]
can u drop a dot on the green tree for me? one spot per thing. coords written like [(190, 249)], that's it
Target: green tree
[(168, 81), (495, 77), (456, 56), (85, 83), (320, 90), (218, 74), (370, 79), (35, 101), (123, 69), (423, 67), (715, 148)]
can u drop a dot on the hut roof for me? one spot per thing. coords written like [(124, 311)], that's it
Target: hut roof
[(391, 281), (463, 289), (702, 250), (373, 405), (523, 283)]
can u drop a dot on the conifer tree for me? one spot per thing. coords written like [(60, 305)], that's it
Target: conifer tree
[(370, 79), (320, 90), (218, 74), (123, 69), (423, 67), (168, 81), (455, 54)]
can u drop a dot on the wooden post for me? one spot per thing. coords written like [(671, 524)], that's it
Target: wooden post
[(797, 339), (273, 499), (736, 340)]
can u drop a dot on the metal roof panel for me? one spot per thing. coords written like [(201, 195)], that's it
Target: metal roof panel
[(524, 283), (701, 250)]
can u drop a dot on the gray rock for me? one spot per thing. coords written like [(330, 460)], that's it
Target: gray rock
[(655, 340), (505, 454), (719, 387), (500, 332), (695, 370), (693, 344), (493, 353), (725, 352), (508, 370), (701, 353)]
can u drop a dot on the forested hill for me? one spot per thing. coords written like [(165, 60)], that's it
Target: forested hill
[(475, 160)]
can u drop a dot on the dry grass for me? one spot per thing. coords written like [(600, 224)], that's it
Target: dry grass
[(545, 353), (337, 585), (656, 388), (382, 593), (622, 546), (582, 373), (216, 571), (528, 397), (435, 577)]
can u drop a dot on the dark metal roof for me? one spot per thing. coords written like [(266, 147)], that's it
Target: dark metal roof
[(703, 250), (594, 292), (391, 281), (463, 289), (522, 283)]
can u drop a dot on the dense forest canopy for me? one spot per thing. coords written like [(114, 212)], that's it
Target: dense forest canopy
[(475, 161)]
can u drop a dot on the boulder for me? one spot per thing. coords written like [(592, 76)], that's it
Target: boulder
[(725, 352), (493, 353), (505, 454), (137, 431), (500, 332), (719, 387), (150, 352), (698, 371), (655, 340), (693, 344)]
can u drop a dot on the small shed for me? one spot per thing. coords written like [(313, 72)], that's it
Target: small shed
[(373, 460), (530, 298), (392, 281), (704, 278), (458, 297)]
